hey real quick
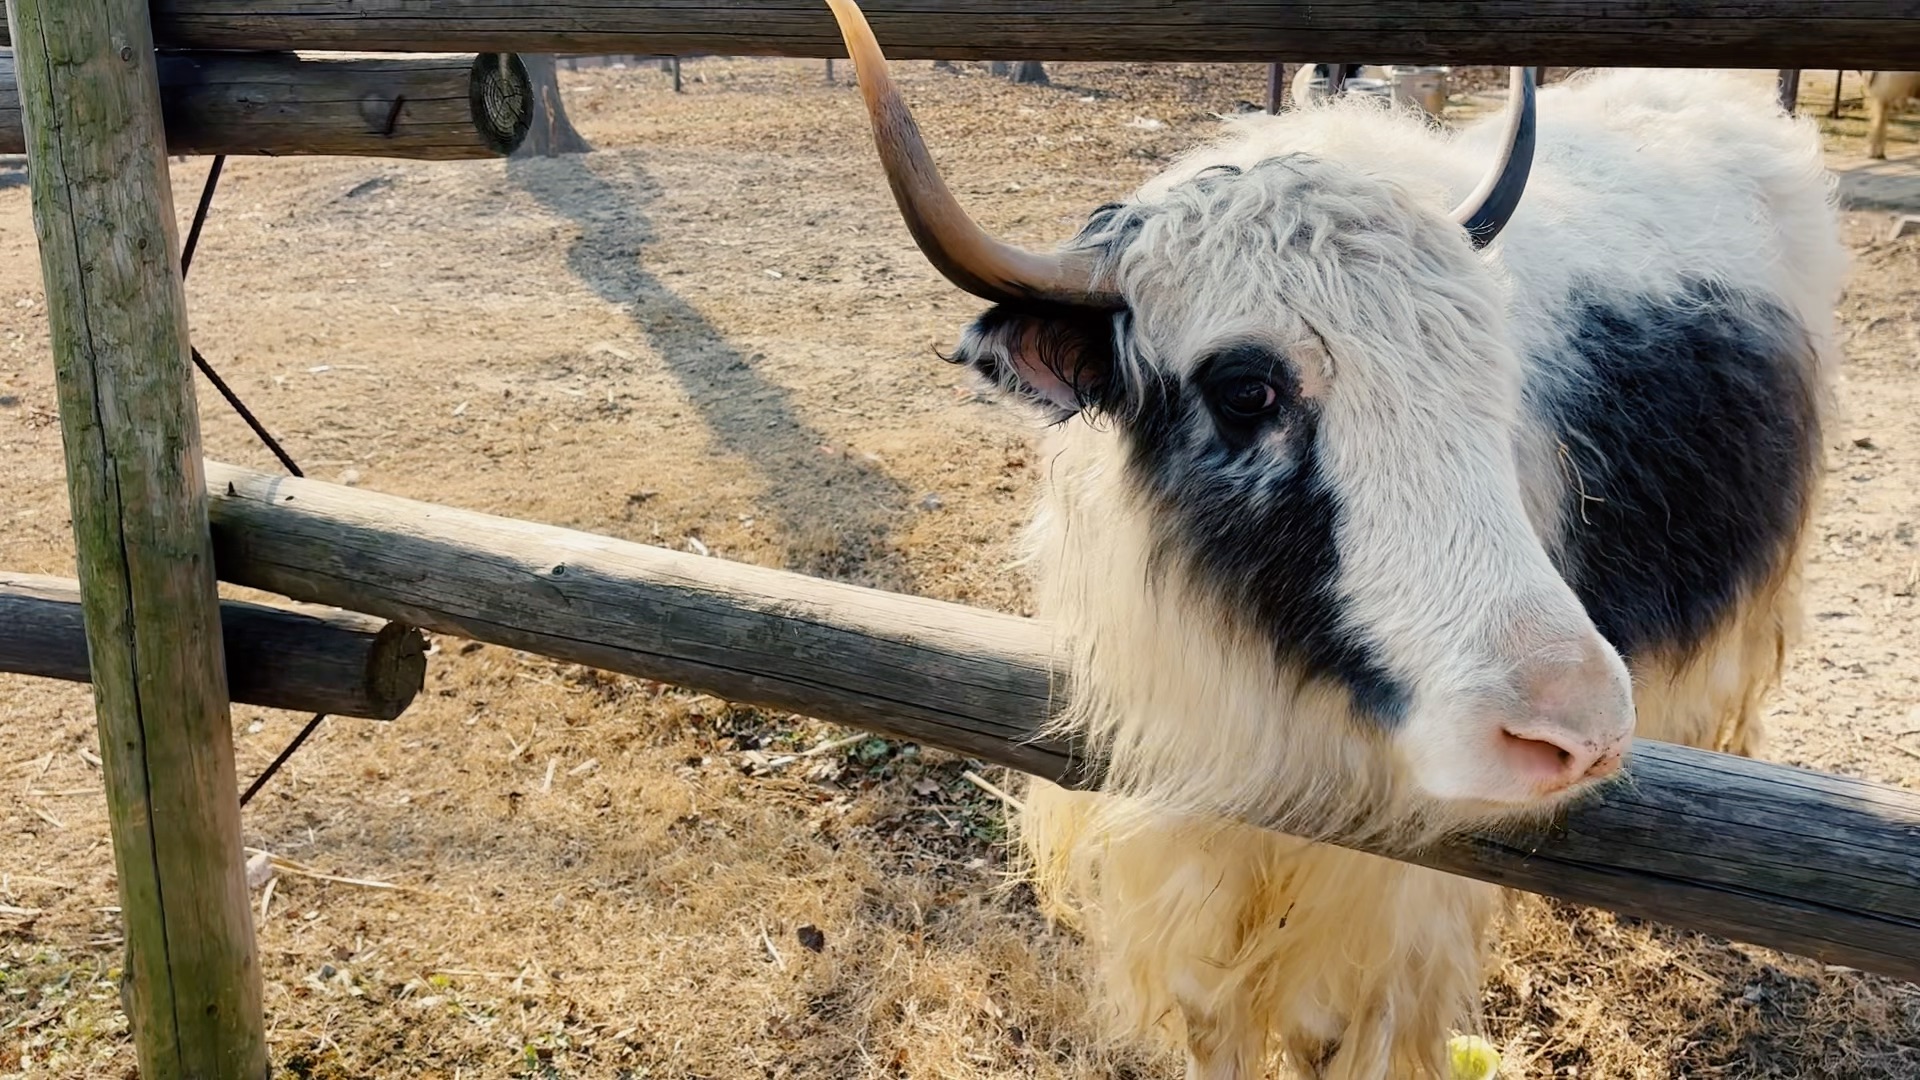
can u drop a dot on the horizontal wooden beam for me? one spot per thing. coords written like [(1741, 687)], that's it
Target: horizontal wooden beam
[(336, 662), (423, 107), (1576, 33), (1821, 865)]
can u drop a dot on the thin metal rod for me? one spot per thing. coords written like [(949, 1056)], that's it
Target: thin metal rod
[(200, 212), (274, 767)]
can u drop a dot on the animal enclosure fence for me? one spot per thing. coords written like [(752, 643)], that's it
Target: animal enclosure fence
[(1802, 861)]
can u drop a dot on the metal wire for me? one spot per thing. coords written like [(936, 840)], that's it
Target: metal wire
[(186, 262), (274, 766)]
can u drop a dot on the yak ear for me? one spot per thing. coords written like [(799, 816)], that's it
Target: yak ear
[(1061, 359)]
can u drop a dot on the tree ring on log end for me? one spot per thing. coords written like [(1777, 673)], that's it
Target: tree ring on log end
[(502, 97), (396, 669)]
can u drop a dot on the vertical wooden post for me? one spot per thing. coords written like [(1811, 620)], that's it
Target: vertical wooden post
[(1276, 87), (1789, 83), (103, 212)]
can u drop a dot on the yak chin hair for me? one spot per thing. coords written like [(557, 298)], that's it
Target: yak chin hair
[(1292, 753)]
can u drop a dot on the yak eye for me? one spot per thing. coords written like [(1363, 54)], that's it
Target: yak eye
[(1248, 398)]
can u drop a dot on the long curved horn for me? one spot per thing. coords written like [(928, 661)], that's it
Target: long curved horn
[(960, 249), (1485, 212)]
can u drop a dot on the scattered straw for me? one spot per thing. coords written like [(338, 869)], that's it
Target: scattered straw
[(815, 751), (38, 767), (778, 960), (299, 869), (983, 784), (836, 744)]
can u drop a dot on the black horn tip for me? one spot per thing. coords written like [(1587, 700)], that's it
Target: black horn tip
[(1503, 198)]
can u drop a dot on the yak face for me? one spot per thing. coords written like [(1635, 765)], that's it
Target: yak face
[(1303, 374), (1315, 402)]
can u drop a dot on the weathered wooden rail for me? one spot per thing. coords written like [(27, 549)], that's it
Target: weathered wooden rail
[(1801, 861), (317, 661), (422, 107), (117, 319), (1578, 33)]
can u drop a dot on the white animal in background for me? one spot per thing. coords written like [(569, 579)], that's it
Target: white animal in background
[(1887, 92)]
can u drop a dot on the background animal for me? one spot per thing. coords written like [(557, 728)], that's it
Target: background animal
[(1303, 87), (1887, 92)]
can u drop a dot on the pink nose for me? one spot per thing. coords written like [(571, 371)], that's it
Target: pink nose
[(1555, 760), (1577, 723)]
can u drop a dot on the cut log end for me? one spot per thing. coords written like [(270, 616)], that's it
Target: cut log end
[(396, 670), (315, 661), (431, 108), (502, 97)]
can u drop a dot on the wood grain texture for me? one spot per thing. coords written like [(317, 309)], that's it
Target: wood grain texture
[(314, 661), (960, 678), (439, 108), (1578, 33), (13, 135), (550, 132), (103, 212), (1796, 860)]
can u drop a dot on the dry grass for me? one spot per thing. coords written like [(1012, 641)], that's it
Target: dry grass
[(609, 878)]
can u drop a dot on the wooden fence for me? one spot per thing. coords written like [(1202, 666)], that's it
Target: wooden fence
[(1814, 863)]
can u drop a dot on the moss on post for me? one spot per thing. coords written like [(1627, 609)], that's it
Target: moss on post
[(104, 215)]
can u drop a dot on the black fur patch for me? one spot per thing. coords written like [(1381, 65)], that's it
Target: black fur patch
[(1258, 530), (1271, 558), (1694, 445)]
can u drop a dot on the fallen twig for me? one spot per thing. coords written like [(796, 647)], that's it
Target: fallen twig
[(299, 869), (778, 960), (980, 782)]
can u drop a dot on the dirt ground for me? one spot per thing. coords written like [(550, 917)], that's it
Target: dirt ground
[(713, 333)]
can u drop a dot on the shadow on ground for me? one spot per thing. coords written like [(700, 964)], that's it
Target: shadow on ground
[(1892, 184), (836, 514)]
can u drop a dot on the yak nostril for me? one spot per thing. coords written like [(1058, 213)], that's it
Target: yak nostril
[(1552, 760)]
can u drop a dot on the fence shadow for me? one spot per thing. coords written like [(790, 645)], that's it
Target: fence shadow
[(1893, 184), (836, 515)]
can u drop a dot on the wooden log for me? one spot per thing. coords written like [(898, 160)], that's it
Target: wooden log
[(429, 107), (1276, 87), (317, 661), (1796, 860), (13, 137), (116, 312), (550, 132), (1562, 33)]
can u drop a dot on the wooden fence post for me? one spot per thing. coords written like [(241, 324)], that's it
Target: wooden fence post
[(1788, 82), (103, 211)]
